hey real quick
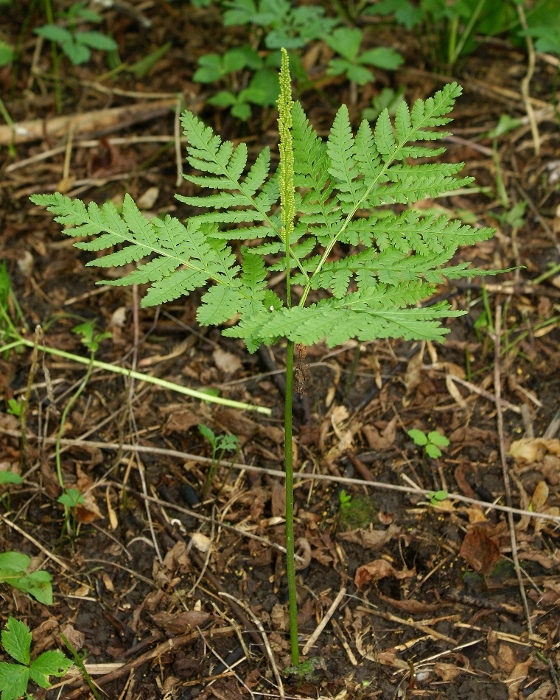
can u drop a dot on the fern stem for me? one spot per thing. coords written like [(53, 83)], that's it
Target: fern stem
[(290, 538), (287, 202)]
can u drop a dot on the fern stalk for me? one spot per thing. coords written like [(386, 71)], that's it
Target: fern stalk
[(287, 202)]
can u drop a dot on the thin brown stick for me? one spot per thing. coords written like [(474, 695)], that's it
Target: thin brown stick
[(266, 643), (161, 649), (280, 474), (409, 623), (321, 626), (505, 473), (37, 544)]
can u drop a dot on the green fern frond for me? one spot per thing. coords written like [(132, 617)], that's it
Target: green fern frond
[(337, 191)]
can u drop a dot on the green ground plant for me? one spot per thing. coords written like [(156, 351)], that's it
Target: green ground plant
[(346, 41), (431, 442), (262, 89), (220, 445), (459, 25), (14, 570), (355, 512), (323, 193), (15, 677), (76, 44)]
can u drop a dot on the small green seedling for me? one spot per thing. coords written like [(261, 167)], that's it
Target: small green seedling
[(71, 498), (220, 445), (6, 53), (436, 497), (430, 442), (345, 500), (90, 338), (305, 671), (346, 42), (9, 477), (263, 87), (77, 45), (14, 570), (14, 678), (15, 407), (355, 513), (286, 26)]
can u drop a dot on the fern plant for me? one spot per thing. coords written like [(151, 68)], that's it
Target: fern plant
[(343, 191)]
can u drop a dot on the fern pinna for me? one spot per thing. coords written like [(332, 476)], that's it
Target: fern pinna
[(344, 191)]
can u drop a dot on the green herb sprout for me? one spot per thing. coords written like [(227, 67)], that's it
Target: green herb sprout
[(14, 677), (431, 442)]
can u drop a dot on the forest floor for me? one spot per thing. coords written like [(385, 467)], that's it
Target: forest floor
[(169, 597)]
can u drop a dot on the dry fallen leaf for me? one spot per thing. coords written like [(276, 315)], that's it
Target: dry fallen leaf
[(480, 551), (533, 449), (201, 542), (413, 375), (378, 569), (410, 606), (381, 440), (543, 692), (516, 678), (370, 539), (179, 623), (447, 672), (226, 362)]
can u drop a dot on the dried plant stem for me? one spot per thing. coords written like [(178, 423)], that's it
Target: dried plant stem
[(507, 486)]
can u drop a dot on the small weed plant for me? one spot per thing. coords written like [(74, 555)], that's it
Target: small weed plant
[(14, 570), (76, 44), (352, 63), (256, 222), (431, 442), (15, 677), (220, 445)]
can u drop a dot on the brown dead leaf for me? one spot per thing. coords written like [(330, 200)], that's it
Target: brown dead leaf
[(378, 569), (413, 375), (278, 500), (479, 551), (462, 483), (235, 422), (540, 496), (381, 440), (389, 657), (371, 539), (339, 415), (447, 672), (74, 636), (279, 618), (410, 606), (549, 561), (516, 678), (88, 511), (180, 421), (533, 449), (179, 623), (226, 362)]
